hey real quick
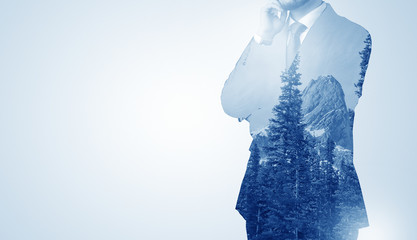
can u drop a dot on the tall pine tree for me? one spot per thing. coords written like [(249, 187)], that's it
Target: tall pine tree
[(327, 212), (349, 202), (288, 168), (365, 54)]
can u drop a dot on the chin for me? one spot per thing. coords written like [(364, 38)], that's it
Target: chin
[(292, 4)]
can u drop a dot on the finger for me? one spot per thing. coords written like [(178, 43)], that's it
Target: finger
[(278, 4), (275, 4), (276, 13), (272, 5), (283, 16), (273, 9)]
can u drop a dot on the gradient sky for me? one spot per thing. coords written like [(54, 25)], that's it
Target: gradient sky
[(111, 125)]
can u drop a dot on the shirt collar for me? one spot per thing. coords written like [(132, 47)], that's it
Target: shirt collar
[(310, 18)]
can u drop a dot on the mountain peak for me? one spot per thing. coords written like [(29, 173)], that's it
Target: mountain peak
[(325, 109)]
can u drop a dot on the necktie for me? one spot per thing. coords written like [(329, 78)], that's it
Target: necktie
[(294, 41)]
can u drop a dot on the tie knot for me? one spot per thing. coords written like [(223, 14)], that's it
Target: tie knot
[(297, 28)]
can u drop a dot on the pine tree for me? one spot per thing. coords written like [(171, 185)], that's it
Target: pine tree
[(271, 222), (328, 215), (311, 227), (365, 54), (288, 168), (348, 202)]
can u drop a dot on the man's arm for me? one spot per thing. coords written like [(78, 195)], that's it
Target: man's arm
[(245, 90), (236, 98)]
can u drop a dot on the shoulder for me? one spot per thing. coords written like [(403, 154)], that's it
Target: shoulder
[(343, 28)]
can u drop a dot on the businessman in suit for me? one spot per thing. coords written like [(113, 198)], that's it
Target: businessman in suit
[(327, 44)]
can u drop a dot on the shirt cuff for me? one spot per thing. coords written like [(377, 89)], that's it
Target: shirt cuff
[(259, 40)]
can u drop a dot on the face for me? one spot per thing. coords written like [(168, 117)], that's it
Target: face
[(292, 4)]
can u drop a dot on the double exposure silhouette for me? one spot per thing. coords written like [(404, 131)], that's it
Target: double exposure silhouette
[(297, 83)]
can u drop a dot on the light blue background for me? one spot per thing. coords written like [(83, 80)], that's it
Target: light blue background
[(111, 125)]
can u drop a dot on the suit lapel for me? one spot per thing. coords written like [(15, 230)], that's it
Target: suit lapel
[(314, 45), (318, 28)]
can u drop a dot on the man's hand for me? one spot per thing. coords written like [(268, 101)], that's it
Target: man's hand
[(272, 21)]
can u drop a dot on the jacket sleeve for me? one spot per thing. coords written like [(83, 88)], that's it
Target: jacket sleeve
[(254, 81), (236, 91)]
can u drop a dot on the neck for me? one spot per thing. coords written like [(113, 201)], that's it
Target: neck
[(300, 12)]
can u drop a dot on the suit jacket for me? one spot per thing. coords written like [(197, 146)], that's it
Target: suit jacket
[(330, 64)]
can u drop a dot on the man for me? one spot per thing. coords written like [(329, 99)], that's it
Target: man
[(334, 54)]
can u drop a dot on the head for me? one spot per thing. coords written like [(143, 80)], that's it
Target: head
[(292, 4)]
